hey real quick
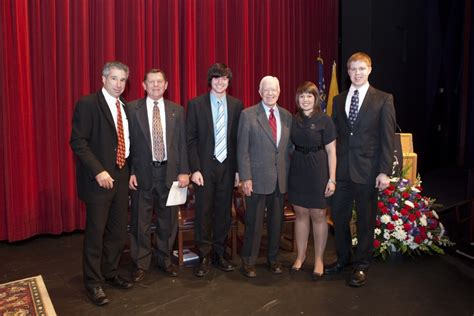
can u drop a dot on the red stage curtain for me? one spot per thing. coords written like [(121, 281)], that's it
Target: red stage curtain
[(52, 52)]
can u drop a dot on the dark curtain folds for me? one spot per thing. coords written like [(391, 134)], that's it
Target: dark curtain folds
[(52, 52)]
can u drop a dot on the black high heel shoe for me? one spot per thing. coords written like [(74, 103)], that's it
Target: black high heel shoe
[(317, 276), (295, 269)]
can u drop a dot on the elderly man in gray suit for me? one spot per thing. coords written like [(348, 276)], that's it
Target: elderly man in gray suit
[(263, 145)]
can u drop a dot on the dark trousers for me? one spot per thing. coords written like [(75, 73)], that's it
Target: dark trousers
[(256, 206), (364, 199), (106, 230), (213, 209), (145, 203)]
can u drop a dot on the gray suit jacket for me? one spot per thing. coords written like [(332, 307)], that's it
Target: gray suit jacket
[(258, 157), (140, 143)]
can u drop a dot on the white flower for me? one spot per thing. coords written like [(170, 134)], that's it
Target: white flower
[(435, 214), (409, 203), (386, 234), (423, 221), (414, 189), (377, 231), (385, 219), (399, 222), (399, 234), (354, 241), (429, 235)]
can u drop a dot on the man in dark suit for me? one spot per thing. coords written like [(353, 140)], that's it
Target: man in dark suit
[(263, 146), (365, 123), (158, 155), (100, 140), (212, 122)]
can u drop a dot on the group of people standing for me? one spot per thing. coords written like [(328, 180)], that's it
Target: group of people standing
[(145, 145)]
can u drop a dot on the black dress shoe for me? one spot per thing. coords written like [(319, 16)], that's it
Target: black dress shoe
[(138, 275), (203, 268), (358, 278), (222, 264), (171, 270), (336, 268), (97, 296), (119, 282), (276, 267), (249, 270)]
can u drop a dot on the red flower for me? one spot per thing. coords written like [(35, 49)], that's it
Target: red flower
[(407, 227), (405, 195), (404, 212), (411, 217), (376, 243), (378, 222), (387, 192), (394, 217), (380, 204), (418, 214), (422, 230), (392, 200), (418, 239), (416, 205), (384, 210), (418, 196), (433, 224), (390, 226), (391, 188)]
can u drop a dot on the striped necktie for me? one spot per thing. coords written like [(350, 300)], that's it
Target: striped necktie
[(220, 150)]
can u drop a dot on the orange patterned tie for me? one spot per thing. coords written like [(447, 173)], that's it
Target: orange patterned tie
[(120, 138)]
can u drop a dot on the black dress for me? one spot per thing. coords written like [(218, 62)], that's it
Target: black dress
[(309, 171)]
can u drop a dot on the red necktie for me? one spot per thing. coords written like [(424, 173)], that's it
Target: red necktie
[(273, 125), (120, 138)]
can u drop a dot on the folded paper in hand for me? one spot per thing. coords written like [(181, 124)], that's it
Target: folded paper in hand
[(177, 195)]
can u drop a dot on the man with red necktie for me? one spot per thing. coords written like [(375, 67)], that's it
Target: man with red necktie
[(100, 141), (263, 146)]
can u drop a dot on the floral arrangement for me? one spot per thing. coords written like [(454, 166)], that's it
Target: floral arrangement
[(406, 222)]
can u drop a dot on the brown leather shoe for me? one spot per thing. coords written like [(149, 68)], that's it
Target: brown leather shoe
[(138, 275), (249, 270), (171, 270), (97, 296), (276, 267)]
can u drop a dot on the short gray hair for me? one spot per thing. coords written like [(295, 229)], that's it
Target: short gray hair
[(114, 64)]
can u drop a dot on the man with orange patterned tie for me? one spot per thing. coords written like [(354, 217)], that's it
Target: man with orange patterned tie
[(100, 141), (158, 157)]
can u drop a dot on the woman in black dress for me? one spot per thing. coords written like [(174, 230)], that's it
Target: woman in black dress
[(312, 174)]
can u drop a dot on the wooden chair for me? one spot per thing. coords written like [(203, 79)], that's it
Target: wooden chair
[(186, 221), (289, 216)]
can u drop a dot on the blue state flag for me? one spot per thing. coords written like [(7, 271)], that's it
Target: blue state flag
[(321, 84)]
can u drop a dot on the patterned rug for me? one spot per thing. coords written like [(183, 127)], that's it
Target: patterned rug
[(25, 297)]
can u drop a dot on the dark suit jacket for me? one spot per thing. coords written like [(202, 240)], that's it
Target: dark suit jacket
[(94, 141), (260, 160), (200, 133), (367, 149), (141, 148)]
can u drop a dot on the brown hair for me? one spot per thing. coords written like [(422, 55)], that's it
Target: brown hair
[(359, 56), (218, 70), (155, 71), (308, 87)]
